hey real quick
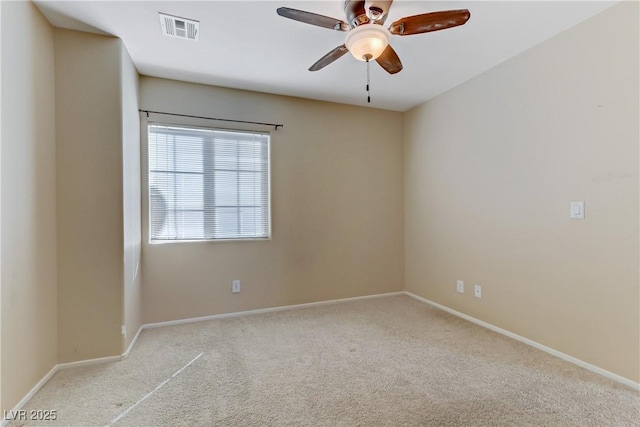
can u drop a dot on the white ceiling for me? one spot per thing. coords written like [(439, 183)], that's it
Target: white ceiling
[(246, 45)]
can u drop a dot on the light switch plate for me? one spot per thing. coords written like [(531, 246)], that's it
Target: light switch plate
[(577, 210), (235, 286)]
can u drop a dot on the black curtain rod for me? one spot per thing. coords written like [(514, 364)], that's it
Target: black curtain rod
[(275, 125)]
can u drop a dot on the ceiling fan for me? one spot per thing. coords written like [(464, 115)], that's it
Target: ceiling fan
[(367, 39)]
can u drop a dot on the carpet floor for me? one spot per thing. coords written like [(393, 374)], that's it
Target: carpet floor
[(390, 361)]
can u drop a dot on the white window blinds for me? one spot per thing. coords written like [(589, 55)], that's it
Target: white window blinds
[(208, 184)]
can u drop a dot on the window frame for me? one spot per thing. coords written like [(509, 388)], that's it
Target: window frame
[(150, 240)]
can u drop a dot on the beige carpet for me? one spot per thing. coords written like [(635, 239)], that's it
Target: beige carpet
[(381, 362)]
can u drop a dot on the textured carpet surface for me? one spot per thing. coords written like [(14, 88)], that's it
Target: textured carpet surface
[(388, 361)]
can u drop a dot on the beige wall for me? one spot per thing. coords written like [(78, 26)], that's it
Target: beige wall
[(489, 170), (29, 331), (67, 120), (1, 402), (337, 209), (90, 195), (131, 197), (491, 167)]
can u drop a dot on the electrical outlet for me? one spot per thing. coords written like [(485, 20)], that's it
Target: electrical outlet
[(477, 291), (123, 330), (235, 286), (460, 286)]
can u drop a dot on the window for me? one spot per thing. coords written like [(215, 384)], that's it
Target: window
[(208, 184)]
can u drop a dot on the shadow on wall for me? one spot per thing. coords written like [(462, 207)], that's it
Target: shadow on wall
[(158, 206)]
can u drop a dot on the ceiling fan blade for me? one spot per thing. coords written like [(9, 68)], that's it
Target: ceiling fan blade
[(356, 13), (389, 61), (329, 58), (428, 22), (313, 19)]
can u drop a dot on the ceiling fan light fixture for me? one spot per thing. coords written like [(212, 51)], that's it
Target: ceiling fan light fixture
[(367, 41)]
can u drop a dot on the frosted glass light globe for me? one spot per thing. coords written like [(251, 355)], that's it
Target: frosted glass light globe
[(367, 40)]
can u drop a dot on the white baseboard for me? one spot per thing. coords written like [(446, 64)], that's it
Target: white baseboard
[(88, 362), (31, 393), (79, 363), (266, 310), (532, 343), (48, 376), (133, 342)]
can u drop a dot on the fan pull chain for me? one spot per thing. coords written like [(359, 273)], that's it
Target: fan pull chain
[(368, 80)]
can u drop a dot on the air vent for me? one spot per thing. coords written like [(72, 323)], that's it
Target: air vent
[(175, 26)]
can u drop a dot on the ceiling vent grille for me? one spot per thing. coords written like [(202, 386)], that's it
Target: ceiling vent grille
[(182, 28)]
